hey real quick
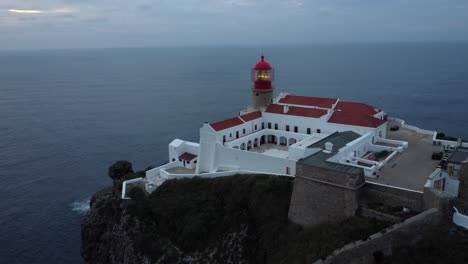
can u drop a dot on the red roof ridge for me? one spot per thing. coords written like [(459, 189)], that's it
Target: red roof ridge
[(296, 111), (309, 101), (251, 116), (232, 122), (355, 119)]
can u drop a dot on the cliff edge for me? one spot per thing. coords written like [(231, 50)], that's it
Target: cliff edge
[(237, 219)]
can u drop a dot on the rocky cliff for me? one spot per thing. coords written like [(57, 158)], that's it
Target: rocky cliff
[(238, 219)]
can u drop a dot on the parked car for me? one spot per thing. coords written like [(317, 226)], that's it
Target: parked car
[(394, 128), (437, 155)]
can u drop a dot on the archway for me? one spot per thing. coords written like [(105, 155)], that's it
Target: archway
[(255, 143), (283, 141), (242, 146), (292, 141)]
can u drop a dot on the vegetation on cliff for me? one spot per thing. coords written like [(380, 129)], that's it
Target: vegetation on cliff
[(195, 214)]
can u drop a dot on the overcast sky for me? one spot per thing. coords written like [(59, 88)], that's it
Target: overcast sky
[(31, 24)]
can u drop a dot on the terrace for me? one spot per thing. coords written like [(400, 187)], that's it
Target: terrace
[(409, 169)]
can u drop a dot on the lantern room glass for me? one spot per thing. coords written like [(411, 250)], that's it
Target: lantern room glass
[(263, 75)]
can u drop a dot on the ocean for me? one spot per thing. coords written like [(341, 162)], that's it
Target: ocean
[(67, 115)]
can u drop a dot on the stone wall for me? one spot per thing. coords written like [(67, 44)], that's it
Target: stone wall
[(320, 195), (403, 234), (463, 187), (390, 196), (434, 198)]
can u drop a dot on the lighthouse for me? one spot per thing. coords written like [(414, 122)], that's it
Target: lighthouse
[(262, 88)]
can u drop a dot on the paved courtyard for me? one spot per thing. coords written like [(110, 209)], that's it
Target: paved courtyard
[(411, 168), (273, 150)]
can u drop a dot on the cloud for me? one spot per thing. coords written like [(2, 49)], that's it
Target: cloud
[(32, 11)]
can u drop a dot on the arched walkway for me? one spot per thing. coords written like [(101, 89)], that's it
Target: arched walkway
[(272, 139), (255, 143), (249, 144), (292, 141), (283, 141), (242, 146)]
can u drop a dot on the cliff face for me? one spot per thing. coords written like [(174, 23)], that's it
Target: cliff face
[(185, 221), (238, 219)]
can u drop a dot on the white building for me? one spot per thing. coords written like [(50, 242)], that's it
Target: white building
[(271, 135)]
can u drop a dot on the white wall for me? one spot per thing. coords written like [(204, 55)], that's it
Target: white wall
[(175, 150), (207, 153), (246, 160)]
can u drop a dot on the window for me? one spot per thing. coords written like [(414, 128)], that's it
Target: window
[(276, 126), (173, 159), (243, 131), (255, 127), (224, 139), (288, 171), (195, 162), (269, 125), (318, 131), (287, 127), (263, 125), (308, 131), (230, 135), (237, 134), (296, 129)]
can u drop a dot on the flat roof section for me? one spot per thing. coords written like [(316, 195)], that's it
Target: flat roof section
[(319, 159), (458, 156), (410, 168)]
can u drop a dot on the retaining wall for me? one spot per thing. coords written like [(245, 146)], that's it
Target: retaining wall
[(406, 233), (392, 196)]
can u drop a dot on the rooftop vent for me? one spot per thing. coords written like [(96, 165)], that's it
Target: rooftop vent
[(328, 147)]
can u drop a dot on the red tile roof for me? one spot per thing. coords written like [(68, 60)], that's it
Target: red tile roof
[(251, 116), (296, 111), (187, 156), (355, 119), (221, 125), (357, 108), (309, 101)]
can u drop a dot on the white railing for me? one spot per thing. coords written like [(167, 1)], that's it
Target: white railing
[(460, 219), (413, 128), (124, 186), (150, 174)]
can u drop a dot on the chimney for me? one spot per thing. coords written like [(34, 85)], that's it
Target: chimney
[(328, 147), (285, 109)]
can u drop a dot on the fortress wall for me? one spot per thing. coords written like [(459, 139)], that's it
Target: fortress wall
[(313, 203), (391, 196), (320, 195), (399, 235)]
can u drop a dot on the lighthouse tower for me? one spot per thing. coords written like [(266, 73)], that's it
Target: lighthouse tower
[(262, 89)]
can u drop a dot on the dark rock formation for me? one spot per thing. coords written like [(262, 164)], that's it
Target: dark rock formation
[(238, 219), (120, 171)]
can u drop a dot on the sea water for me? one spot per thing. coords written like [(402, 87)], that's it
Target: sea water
[(66, 115)]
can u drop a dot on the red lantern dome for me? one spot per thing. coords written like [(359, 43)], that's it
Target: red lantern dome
[(262, 75), (262, 64)]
